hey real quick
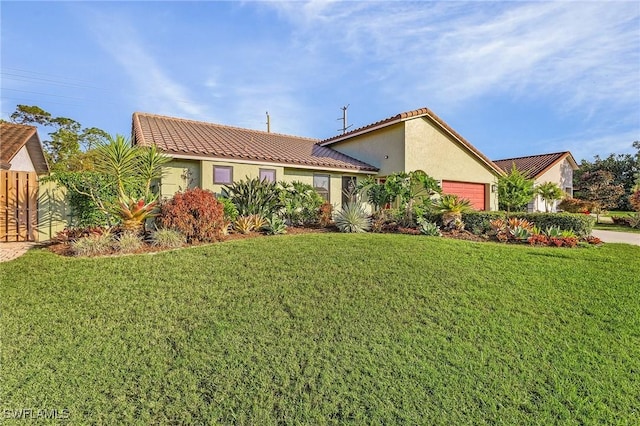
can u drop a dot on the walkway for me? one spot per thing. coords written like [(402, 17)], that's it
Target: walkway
[(617, 237), (10, 251)]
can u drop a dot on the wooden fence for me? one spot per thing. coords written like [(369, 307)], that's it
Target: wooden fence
[(18, 206)]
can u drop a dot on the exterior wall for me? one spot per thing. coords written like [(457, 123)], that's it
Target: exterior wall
[(384, 149), (21, 162), (427, 148), (174, 177), (202, 176), (53, 212), (562, 175)]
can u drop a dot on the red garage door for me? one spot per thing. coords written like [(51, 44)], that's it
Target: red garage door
[(474, 192)]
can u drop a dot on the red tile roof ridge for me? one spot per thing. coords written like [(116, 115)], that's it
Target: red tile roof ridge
[(223, 126)]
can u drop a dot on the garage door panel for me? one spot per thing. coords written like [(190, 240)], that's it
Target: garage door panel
[(474, 192)]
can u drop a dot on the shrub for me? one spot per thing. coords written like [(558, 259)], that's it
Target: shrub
[(480, 222), (255, 196), (196, 214), (451, 206), (325, 214), (244, 224), (230, 210), (93, 245), (574, 205), (69, 235), (301, 203), (429, 229), (167, 238), (128, 242), (353, 218), (275, 226), (634, 200), (580, 224)]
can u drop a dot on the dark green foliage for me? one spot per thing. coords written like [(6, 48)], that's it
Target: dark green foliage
[(581, 224), (255, 196), (326, 329), (599, 187), (301, 203), (478, 222), (515, 190)]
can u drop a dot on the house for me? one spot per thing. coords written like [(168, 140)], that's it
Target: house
[(420, 140), (211, 155), (557, 167), (22, 162)]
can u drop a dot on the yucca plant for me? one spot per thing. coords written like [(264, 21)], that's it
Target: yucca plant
[(353, 218), (451, 206)]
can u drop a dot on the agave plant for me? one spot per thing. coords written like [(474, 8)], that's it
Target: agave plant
[(275, 226), (451, 206), (353, 218), (244, 224), (553, 232), (429, 229), (258, 221)]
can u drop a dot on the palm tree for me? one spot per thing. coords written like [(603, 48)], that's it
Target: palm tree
[(549, 192)]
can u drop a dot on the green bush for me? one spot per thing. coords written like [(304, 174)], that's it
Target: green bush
[(255, 196), (301, 203), (93, 245), (167, 238), (581, 224), (274, 226), (128, 242), (479, 222), (230, 210)]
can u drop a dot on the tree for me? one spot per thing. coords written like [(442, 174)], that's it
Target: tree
[(625, 169), (70, 146), (549, 192), (515, 190), (600, 188)]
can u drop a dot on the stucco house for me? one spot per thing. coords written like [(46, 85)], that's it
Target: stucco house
[(211, 155), (22, 162), (557, 167)]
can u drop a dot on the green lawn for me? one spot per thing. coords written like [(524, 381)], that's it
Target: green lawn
[(326, 328), (616, 228)]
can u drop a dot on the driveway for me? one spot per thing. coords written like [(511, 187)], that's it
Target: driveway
[(617, 237)]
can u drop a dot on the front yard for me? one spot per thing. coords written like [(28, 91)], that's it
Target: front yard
[(326, 328)]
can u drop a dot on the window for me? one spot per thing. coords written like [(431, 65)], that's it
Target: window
[(223, 174), (268, 174), (321, 185), (569, 191)]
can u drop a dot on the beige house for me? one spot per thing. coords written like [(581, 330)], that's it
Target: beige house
[(420, 140), (210, 155), (556, 167)]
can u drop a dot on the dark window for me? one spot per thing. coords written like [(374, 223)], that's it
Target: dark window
[(223, 174), (268, 174), (321, 185)]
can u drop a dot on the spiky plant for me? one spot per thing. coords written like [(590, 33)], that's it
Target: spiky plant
[(275, 226), (451, 206), (353, 218), (244, 224), (429, 229)]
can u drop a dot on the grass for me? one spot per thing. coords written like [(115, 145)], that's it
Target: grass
[(326, 328), (616, 228)]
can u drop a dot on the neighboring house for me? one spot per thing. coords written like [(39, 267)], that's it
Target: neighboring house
[(557, 167), (420, 140), (22, 162), (210, 156)]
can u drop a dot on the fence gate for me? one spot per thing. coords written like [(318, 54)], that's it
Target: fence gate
[(18, 206)]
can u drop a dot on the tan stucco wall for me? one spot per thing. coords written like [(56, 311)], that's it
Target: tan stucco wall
[(562, 175), (53, 211), (383, 149), (203, 170)]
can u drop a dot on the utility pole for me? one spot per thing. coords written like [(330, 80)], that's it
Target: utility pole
[(268, 123), (344, 120)]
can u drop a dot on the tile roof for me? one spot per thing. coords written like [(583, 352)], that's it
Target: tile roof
[(200, 139), (534, 166), (403, 116), (13, 137)]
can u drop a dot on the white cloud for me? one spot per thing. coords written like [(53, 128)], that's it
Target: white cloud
[(154, 89)]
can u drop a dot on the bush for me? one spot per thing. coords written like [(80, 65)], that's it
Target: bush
[(196, 214), (326, 213), (255, 196), (574, 205), (128, 242), (353, 218), (300, 202), (275, 226), (480, 222), (580, 224), (634, 200), (429, 229), (93, 245), (167, 238), (230, 210)]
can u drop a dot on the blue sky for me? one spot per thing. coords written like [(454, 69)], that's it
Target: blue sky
[(514, 78)]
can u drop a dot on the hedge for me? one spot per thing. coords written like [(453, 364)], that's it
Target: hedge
[(478, 222)]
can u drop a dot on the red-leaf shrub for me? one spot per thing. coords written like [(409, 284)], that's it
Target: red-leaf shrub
[(196, 214), (574, 205), (634, 200)]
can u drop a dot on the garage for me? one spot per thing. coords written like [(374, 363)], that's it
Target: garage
[(474, 192)]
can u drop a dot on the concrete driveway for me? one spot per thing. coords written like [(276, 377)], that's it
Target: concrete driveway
[(617, 237)]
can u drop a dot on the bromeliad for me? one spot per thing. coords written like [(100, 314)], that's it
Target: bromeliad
[(134, 212)]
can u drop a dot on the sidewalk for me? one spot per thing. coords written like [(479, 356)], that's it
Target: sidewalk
[(10, 251), (617, 237)]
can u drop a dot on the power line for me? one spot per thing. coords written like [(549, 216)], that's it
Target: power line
[(19, 77), (47, 74), (44, 94)]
